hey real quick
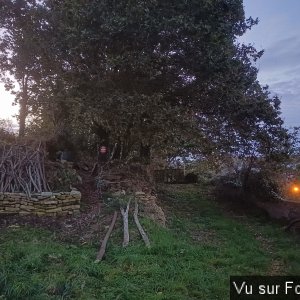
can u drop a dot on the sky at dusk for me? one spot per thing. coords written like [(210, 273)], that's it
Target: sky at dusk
[(278, 32)]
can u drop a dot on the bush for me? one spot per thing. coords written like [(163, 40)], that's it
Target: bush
[(191, 178), (228, 188), (263, 186), (61, 176), (260, 186)]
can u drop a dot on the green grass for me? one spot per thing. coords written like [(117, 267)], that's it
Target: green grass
[(192, 259)]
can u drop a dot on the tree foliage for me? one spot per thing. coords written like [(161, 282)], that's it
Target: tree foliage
[(166, 76)]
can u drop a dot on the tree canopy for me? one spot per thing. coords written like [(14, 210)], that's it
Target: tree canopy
[(163, 76)]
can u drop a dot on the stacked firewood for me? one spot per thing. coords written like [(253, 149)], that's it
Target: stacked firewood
[(22, 169)]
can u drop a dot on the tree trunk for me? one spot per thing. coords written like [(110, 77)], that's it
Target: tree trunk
[(246, 174), (23, 106), (145, 153), (22, 119)]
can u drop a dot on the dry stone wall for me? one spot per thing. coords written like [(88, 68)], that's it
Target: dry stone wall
[(47, 203)]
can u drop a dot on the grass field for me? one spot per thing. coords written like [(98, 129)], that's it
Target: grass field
[(192, 259)]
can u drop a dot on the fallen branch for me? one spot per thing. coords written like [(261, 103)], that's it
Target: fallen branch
[(125, 224), (139, 226), (94, 168), (104, 242), (291, 224)]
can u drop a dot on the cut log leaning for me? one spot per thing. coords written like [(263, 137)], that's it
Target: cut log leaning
[(139, 226), (104, 242), (125, 224)]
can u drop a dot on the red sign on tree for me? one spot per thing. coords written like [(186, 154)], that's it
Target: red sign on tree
[(103, 150)]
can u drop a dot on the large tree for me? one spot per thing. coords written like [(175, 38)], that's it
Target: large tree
[(23, 50), (161, 75)]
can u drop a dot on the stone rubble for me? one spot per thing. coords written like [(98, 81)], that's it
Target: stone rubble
[(149, 207)]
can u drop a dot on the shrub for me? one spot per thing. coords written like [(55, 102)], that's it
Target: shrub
[(260, 186)]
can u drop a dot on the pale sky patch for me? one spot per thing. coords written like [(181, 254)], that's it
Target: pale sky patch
[(7, 110), (278, 34)]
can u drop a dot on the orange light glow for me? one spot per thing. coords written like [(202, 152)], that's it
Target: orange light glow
[(295, 189)]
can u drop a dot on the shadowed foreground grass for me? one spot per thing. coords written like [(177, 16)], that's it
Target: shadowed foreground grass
[(193, 259)]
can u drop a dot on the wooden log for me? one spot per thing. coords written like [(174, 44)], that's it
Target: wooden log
[(139, 226), (104, 242), (125, 224)]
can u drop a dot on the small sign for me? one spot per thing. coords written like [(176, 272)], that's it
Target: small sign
[(103, 153), (103, 150)]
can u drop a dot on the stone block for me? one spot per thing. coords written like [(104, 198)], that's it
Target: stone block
[(62, 213), (11, 209), (49, 207), (49, 202), (72, 207), (69, 201), (27, 207), (40, 213), (24, 213), (12, 199), (75, 193), (46, 194), (6, 212), (58, 209)]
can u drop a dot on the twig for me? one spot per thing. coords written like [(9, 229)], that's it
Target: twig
[(291, 224), (94, 168), (104, 242)]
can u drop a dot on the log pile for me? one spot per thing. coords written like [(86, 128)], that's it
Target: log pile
[(125, 209), (22, 169)]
